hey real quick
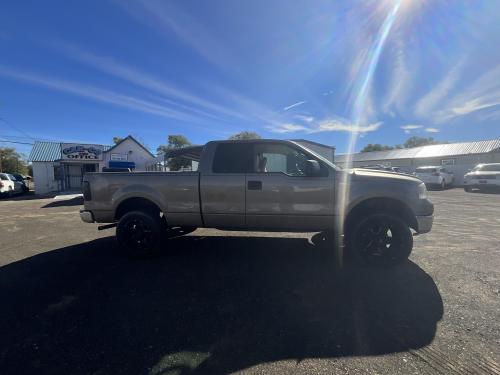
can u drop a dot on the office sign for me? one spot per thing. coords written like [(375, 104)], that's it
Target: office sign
[(80, 152), (119, 157)]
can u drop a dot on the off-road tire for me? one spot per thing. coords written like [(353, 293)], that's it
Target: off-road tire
[(379, 239), (139, 234)]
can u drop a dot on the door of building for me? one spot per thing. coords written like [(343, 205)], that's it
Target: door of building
[(74, 174)]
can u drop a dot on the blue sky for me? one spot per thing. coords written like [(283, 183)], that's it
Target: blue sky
[(90, 70)]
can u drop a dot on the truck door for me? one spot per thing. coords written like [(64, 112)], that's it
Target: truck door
[(279, 193), (222, 186)]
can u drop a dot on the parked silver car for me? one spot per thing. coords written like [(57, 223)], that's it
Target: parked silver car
[(9, 185), (435, 176), (483, 176)]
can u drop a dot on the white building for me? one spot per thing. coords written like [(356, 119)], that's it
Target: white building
[(456, 157), (61, 166)]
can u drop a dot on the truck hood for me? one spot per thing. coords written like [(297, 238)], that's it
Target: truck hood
[(382, 176), (484, 173)]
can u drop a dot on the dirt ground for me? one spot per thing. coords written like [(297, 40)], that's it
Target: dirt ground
[(222, 302)]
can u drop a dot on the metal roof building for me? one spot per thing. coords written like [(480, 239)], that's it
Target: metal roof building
[(457, 157), (61, 166), (49, 151)]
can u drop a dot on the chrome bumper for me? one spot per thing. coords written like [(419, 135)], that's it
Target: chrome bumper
[(425, 223), (86, 216)]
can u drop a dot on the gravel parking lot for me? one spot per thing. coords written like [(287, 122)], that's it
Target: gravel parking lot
[(246, 302)]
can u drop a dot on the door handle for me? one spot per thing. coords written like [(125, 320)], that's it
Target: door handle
[(254, 185)]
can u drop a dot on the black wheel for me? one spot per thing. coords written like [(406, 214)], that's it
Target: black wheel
[(139, 233), (380, 239), (443, 185), (467, 189)]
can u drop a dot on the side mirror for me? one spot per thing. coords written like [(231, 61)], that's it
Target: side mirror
[(312, 168)]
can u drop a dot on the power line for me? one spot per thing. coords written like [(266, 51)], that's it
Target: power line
[(24, 138), (21, 143), (17, 129)]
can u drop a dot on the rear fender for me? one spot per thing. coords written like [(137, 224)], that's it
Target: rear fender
[(138, 191)]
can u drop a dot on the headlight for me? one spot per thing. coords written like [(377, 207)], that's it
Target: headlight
[(422, 191)]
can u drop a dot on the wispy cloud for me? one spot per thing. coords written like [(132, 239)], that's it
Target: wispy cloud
[(108, 65), (294, 105), (288, 128), (483, 93), (169, 19), (411, 127), (97, 94), (400, 82), (326, 125), (431, 130), (304, 118), (473, 106), (338, 126), (434, 98)]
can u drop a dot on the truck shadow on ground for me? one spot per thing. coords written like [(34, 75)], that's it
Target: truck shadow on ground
[(211, 305), (76, 201)]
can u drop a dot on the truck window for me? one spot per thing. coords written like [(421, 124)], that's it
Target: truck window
[(232, 158), (269, 157)]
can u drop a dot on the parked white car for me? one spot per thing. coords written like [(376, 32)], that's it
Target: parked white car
[(435, 176), (9, 185), (483, 176)]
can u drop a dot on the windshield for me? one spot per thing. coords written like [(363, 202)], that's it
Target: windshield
[(487, 168), (426, 170), (320, 157)]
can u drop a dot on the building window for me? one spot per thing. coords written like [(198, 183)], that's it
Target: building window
[(448, 162)]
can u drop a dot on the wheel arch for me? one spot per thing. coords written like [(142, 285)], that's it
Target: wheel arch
[(136, 204), (381, 205)]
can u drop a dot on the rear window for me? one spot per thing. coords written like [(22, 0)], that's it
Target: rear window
[(233, 158), (426, 170), (488, 168)]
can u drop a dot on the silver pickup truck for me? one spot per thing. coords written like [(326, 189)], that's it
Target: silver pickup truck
[(262, 185)]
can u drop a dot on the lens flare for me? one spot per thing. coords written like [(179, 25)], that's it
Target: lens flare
[(360, 89)]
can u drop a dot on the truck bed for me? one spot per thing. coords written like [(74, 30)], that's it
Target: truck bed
[(175, 193)]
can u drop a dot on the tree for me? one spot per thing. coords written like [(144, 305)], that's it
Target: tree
[(419, 141), (376, 147), (174, 142), (11, 161), (245, 135), (117, 140)]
